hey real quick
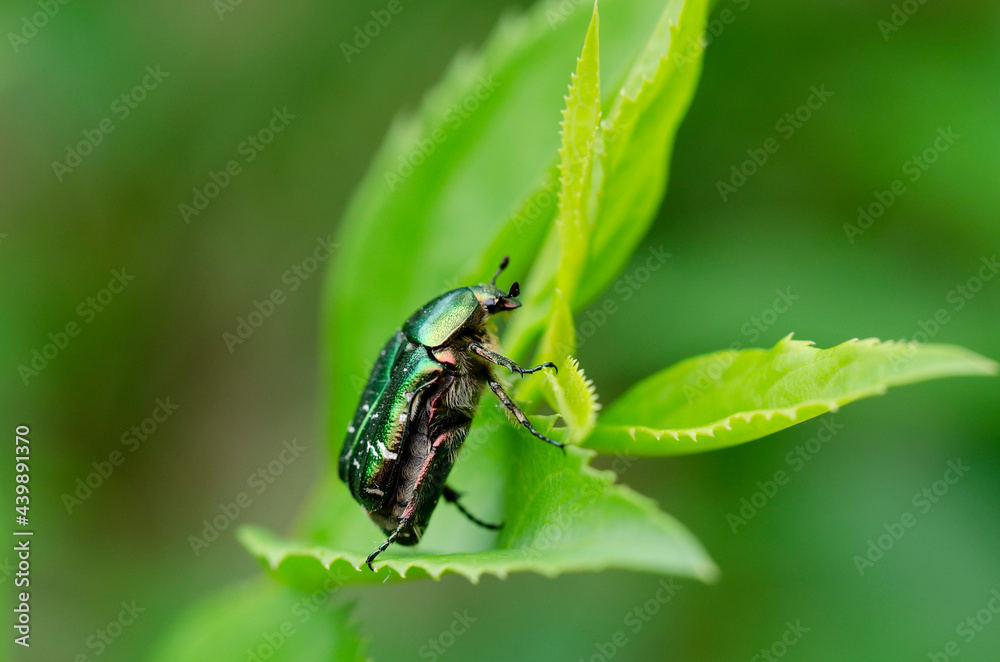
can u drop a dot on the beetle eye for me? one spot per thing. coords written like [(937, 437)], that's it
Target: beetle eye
[(489, 303)]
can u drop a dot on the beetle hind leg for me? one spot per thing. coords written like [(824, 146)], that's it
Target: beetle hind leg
[(451, 496), (381, 548), (394, 537)]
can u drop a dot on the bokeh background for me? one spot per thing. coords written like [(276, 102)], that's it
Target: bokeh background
[(162, 337)]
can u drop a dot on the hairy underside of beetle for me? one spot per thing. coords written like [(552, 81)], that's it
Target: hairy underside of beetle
[(440, 415)]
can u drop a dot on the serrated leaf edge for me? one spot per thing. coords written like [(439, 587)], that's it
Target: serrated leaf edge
[(401, 567)]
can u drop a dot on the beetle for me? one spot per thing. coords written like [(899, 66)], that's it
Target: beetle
[(418, 406)]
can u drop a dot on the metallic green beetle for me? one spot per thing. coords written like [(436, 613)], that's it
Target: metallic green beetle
[(418, 406)]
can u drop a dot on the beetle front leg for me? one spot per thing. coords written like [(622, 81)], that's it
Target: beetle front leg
[(519, 415), (501, 360)]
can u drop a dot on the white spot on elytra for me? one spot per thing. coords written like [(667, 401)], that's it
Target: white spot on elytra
[(402, 418), (364, 407), (350, 429)]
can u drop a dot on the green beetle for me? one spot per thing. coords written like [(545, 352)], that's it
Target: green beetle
[(418, 406)]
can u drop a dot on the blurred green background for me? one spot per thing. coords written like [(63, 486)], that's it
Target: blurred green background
[(162, 336)]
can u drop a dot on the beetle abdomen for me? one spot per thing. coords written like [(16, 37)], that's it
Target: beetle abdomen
[(436, 437)]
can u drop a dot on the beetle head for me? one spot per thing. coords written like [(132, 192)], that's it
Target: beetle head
[(493, 298)]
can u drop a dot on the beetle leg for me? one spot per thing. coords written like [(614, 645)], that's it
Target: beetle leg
[(519, 415), (381, 548), (501, 360), (451, 496), (404, 521)]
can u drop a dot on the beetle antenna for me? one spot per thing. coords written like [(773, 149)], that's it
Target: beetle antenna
[(503, 265), (515, 290)]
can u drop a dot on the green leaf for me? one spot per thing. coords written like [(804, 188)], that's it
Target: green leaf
[(557, 346), (639, 135), (563, 516), (413, 229), (264, 619), (637, 138), (730, 397), (581, 118), (521, 236), (575, 398), (579, 131), (404, 244)]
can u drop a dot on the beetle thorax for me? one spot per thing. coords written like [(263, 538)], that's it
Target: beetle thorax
[(470, 371)]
